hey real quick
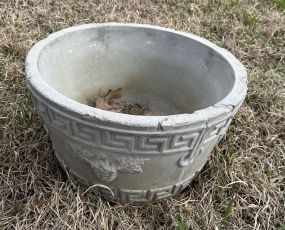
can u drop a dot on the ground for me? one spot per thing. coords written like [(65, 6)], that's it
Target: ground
[(243, 184)]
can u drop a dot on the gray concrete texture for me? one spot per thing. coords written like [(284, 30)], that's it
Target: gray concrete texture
[(196, 86)]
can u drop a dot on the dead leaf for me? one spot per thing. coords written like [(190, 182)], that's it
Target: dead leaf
[(102, 104), (118, 93), (106, 102)]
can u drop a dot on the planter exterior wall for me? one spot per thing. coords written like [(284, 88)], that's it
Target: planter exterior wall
[(135, 158)]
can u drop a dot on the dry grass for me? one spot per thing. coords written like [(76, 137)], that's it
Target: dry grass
[(243, 184)]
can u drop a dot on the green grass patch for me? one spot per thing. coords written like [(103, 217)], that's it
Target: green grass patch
[(228, 212), (181, 224), (279, 4)]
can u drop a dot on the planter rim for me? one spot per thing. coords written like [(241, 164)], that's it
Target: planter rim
[(38, 85)]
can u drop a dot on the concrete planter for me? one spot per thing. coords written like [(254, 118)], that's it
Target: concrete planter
[(197, 84)]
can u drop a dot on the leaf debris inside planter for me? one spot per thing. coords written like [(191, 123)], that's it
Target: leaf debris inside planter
[(106, 102)]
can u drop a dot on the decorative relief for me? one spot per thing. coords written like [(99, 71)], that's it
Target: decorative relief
[(209, 138), (129, 195), (191, 143), (120, 141), (145, 195), (107, 169)]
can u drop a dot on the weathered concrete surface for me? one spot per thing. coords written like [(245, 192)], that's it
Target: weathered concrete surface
[(140, 158)]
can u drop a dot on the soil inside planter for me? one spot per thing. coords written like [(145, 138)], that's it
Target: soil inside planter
[(115, 101)]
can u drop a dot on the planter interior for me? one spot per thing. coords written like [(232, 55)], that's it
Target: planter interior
[(167, 71)]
